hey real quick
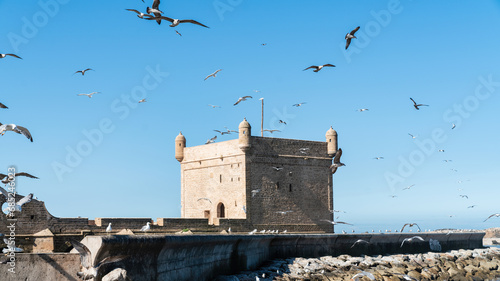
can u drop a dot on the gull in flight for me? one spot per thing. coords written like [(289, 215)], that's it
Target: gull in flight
[(242, 99), (454, 170), (362, 109), (411, 239), (336, 222), (8, 178), (271, 131), (304, 150), (408, 187), (417, 105), (378, 158), (12, 55), (359, 241), (83, 71), (472, 206), (3, 105), (394, 196), (212, 140), (441, 150), (91, 271), (143, 100), (214, 106), (213, 74), (319, 67), (155, 10), (146, 227), (299, 104), (281, 122), (464, 196), (11, 247), (336, 161), (230, 131), (108, 229), (410, 225), (349, 36), (278, 168), (89, 95), (283, 212), (222, 133), (19, 204), (14, 128), (412, 136), (494, 215), (361, 274), (140, 14), (453, 126), (255, 191), (204, 198), (175, 22)]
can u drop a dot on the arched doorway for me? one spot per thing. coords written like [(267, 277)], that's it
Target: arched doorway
[(221, 211)]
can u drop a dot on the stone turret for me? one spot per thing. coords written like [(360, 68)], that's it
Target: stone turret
[(245, 131), (331, 140), (180, 144)]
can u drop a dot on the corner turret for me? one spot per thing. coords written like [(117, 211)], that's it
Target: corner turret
[(331, 140), (245, 132), (180, 144)]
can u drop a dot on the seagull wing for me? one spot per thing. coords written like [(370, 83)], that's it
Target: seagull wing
[(312, 66), (132, 10), (25, 200), (347, 43), (413, 101), (2, 105), (328, 65), (156, 4), (336, 159), (354, 30), (333, 168), (23, 131), (82, 94), (160, 18), (404, 227), (195, 22), (83, 251), (418, 237), (5, 193), (12, 55), (247, 97), (239, 100), (25, 175), (110, 260)]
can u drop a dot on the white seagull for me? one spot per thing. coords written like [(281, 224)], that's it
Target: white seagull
[(175, 22), (108, 229), (146, 227), (336, 222), (349, 36), (336, 161), (89, 95), (83, 71), (143, 100), (255, 191), (19, 204), (453, 126), (11, 248), (12, 55), (417, 105), (359, 241), (14, 128), (319, 67), (242, 99), (284, 212), (494, 215), (140, 14), (411, 239), (410, 225), (204, 198), (212, 140), (155, 10), (378, 158), (412, 136), (213, 74)]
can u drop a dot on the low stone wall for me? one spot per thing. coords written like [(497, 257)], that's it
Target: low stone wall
[(61, 266)]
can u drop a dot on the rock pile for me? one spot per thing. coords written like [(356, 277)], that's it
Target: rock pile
[(477, 264)]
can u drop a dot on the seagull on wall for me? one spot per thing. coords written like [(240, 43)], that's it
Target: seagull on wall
[(494, 215), (146, 227), (12, 55), (213, 74), (242, 99), (336, 161), (109, 229), (176, 22), (349, 36), (91, 271), (410, 225), (10, 177), (83, 71), (319, 67), (17, 129), (417, 105), (411, 239), (11, 248), (89, 95), (140, 14), (337, 222)]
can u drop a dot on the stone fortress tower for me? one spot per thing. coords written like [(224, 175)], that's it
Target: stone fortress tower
[(261, 182)]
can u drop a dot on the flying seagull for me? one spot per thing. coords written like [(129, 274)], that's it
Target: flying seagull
[(11, 247), (494, 215), (19, 204), (204, 198), (362, 109), (213, 74), (178, 33), (281, 122), (349, 36), (89, 95), (91, 271), (212, 140), (83, 71), (222, 133), (271, 131), (336, 161), (319, 67), (359, 241), (16, 129), (412, 136), (12, 55), (453, 126), (408, 187), (255, 191), (304, 150), (464, 196), (299, 104), (140, 14), (230, 131), (143, 100), (278, 168), (3, 105), (411, 239), (417, 105), (175, 22), (146, 227), (155, 10), (336, 222), (472, 206), (214, 106), (242, 99), (8, 178), (410, 225), (378, 158), (283, 212), (441, 150)]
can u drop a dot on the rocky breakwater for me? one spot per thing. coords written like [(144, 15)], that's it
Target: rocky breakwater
[(477, 264)]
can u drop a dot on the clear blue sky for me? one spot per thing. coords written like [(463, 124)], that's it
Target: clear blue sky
[(444, 54)]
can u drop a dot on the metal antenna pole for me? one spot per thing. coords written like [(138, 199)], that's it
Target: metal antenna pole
[(262, 119)]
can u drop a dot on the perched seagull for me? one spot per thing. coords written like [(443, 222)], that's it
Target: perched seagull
[(91, 271), (213, 74), (83, 71), (278, 168), (89, 95), (14, 128), (408, 187), (494, 215), (140, 14), (3, 105), (19, 204), (336, 161), (412, 136), (410, 225), (464, 196), (255, 191), (108, 229), (349, 36), (359, 241), (252, 232), (177, 32), (361, 274), (146, 227), (378, 158), (417, 105), (319, 67), (204, 198), (283, 212), (336, 222), (362, 109), (6, 178), (143, 100), (281, 122), (214, 106), (411, 239), (12, 55), (242, 99), (441, 150), (175, 22), (453, 126), (212, 140), (271, 131)]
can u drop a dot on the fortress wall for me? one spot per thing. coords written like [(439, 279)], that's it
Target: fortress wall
[(54, 267)]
